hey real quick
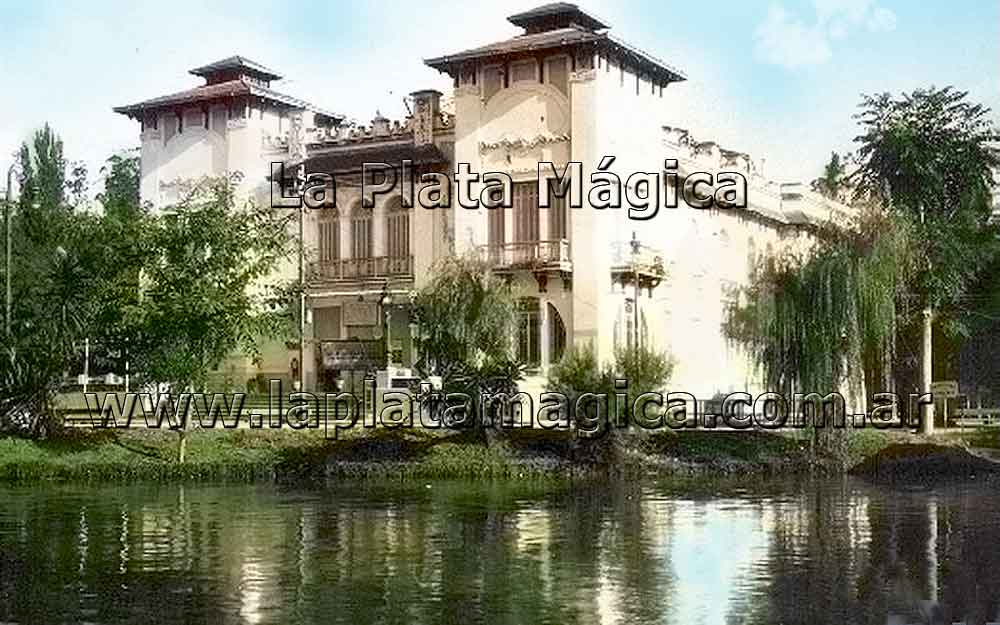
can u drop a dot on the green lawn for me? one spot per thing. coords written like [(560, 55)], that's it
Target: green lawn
[(266, 454)]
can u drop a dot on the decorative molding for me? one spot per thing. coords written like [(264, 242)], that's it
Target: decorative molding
[(274, 143), (296, 138), (423, 122), (236, 124), (584, 75), (522, 143)]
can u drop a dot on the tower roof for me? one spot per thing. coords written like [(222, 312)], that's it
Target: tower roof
[(235, 64), (556, 15), (554, 26), (233, 77)]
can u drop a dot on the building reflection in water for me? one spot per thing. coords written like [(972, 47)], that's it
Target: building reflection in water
[(816, 552)]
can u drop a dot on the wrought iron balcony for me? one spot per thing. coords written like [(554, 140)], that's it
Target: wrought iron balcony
[(630, 262), (362, 268), (529, 255)]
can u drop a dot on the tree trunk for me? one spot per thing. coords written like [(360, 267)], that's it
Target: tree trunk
[(181, 445), (926, 369)]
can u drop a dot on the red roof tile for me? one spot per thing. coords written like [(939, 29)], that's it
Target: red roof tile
[(218, 91)]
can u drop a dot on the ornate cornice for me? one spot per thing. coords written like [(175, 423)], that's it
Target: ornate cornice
[(523, 143)]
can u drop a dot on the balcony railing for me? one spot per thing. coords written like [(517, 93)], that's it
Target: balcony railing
[(645, 264), (528, 255), (360, 268)]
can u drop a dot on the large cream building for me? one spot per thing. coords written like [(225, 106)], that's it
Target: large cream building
[(565, 90)]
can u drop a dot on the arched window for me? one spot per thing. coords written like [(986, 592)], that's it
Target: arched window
[(361, 232), (329, 236), (397, 230), (557, 335)]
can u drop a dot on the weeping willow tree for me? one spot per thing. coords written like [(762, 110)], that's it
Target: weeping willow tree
[(826, 321)]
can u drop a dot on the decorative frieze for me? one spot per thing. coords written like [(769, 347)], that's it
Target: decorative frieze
[(522, 143)]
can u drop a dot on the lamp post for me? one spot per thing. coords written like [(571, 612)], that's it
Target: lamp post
[(8, 209), (635, 275), (386, 302), (300, 179)]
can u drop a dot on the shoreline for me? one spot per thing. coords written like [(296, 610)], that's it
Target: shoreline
[(260, 456)]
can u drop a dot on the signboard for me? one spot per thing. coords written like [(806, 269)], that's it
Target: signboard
[(945, 389), (352, 355)]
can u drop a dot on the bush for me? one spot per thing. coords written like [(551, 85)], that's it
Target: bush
[(646, 370)]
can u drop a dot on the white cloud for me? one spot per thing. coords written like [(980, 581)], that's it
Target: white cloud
[(786, 41), (882, 20), (789, 41)]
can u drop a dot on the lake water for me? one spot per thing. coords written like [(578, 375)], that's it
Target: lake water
[(689, 553)]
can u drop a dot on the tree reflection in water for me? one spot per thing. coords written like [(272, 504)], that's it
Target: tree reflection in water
[(809, 552)]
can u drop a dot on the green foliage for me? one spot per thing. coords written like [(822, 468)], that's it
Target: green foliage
[(42, 203), (203, 294), (466, 316), (932, 155), (128, 456), (808, 322), (120, 198), (174, 293), (646, 370), (579, 372), (833, 181), (46, 275)]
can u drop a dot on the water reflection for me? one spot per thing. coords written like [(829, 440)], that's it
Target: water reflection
[(813, 552)]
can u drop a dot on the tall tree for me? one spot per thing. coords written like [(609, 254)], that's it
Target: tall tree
[(833, 181), (43, 186), (48, 310), (467, 316), (820, 323), (931, 154), (120, 197), (206, 286)]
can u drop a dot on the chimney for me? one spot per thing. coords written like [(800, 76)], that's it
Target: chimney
[(426, 115), (380, 125)]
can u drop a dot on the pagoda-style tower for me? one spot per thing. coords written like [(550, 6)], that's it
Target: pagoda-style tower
[(235, 122)]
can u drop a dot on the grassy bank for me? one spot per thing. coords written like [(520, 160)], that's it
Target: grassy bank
[(252, 455)]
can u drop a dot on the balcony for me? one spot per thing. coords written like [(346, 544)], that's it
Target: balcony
[(362, 268), (529, 255), (631, 262)]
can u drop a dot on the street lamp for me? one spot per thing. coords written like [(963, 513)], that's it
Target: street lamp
[(386, 302), (635, 275)]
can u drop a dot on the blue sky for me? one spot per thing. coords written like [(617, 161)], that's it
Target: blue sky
[(777, 79)]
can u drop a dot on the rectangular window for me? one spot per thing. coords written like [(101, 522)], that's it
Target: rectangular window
[(398, 234), (219, 116), (170, 123), (194, 119), (523, 72), (492, 81), (496, 228), (326, 323), (361, 234), (556, 74), (526, 212), (329, 241), (558, 227), (529, 333)]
